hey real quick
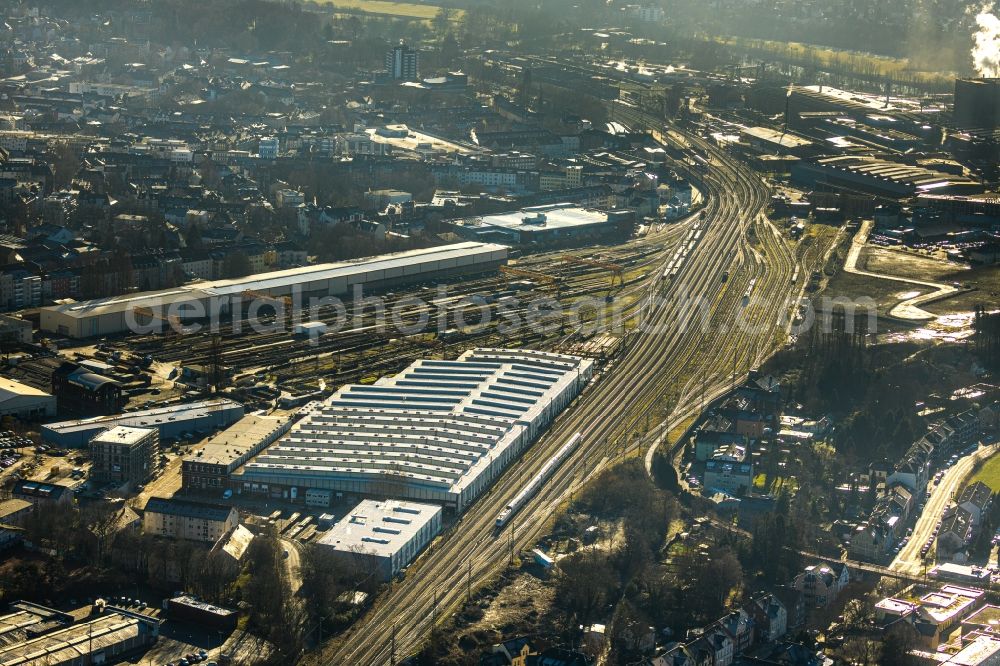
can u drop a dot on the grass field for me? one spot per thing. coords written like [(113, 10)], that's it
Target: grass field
[(402, 9), (989, 474)]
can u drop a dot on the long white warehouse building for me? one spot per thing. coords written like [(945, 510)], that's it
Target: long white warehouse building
[(439, 430), (108, 316)]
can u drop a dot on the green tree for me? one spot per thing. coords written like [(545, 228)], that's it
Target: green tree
[(236, 264)]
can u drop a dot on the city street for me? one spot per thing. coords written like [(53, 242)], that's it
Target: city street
[(908, 560)]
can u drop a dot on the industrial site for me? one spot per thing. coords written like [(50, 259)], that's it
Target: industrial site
[(546, 333)]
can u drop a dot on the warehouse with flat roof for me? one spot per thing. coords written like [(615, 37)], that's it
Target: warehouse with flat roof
[(383, 536), (174, 421), (553, 223), (438, 431), (200, 301), (209, 467)]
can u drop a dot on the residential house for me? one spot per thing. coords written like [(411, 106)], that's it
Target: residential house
[(39, 493), (821, 584), (955, 535), (874, 539), (290, 254), (739, 625), (871, 541), (763, 392), (770, 617), (700, 652), (966, 426), (730, 476), (558, 657), (794, 603), (711, 437), (192, 521), (796, 654), (677, 655), (723, 648), (638, 637), (747, 422), (514, 652), (900, 501), (913, 470), (976, 499), (197, 263), (231, 549)]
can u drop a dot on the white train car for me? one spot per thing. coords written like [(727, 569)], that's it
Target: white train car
[(536, 482)]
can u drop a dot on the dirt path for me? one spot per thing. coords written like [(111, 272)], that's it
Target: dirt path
[(909, 308)]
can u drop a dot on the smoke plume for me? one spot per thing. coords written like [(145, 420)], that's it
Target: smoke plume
[(986, 49)]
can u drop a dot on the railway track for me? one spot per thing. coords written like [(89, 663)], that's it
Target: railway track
[(237, 346), (663, 345)]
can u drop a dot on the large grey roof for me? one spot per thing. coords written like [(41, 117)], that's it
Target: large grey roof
[(438, 424)]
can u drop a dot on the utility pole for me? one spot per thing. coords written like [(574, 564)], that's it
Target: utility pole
[(392, 647)]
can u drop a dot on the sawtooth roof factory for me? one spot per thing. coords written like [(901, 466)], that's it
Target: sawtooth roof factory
[(540, 225), (439, 430), (880, 177), (108, 316)]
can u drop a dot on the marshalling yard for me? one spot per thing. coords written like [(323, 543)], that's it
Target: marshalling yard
[(665, 370), (701, 302)]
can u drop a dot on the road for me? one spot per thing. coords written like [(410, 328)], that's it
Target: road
[(669, 348), (908, 560), (293, 564)]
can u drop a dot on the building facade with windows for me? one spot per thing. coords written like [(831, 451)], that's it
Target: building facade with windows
[(193, 521), (124, 455)]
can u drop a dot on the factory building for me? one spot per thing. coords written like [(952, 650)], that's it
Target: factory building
[(24, 402), (767, 140), (124, 455), (199, 302), (439, 431), (189, 609), (892, 180), (80, 389), (172, 422), (180, 519), (209, 468), (383, 537), (547, 225), (31, 634), (824, 98)]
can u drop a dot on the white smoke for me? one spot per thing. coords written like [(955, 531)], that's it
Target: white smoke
[(986, 51)]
